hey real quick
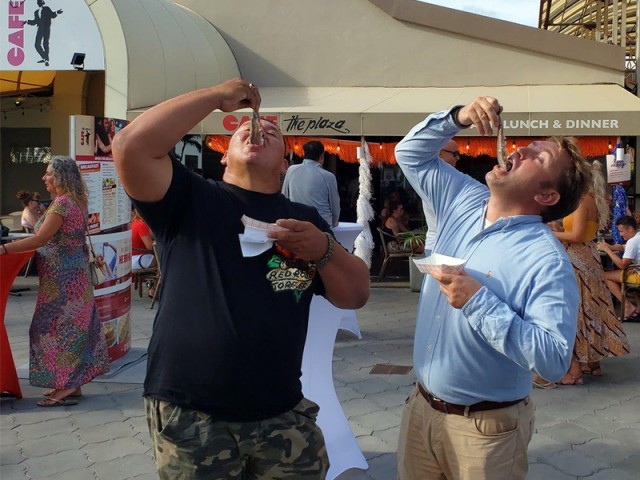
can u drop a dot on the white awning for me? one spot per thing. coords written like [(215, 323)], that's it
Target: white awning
[(540, 110)]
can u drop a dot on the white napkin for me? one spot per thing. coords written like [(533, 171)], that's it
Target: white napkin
[(254, 240)]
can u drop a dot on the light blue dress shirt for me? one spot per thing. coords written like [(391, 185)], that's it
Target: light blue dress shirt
[(524, 316), (312, 185)]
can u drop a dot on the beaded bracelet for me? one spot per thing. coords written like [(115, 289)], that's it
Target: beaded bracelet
[(327, 255)]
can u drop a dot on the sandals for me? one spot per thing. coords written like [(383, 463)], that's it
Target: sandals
[(65, 401), (541, 383), (592, 368), (76, 393), (633, 318), (54, 402), (544, 385), (571, 379)]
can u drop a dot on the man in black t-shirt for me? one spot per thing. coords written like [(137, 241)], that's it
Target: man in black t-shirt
[(222, 393)]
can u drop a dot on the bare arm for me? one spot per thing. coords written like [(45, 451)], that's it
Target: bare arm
[(148, 241), (579, 224), (140, 150), (48, 229), (345, 276), (621, 263)]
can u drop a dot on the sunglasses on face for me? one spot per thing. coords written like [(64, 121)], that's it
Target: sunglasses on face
[(452, 152)]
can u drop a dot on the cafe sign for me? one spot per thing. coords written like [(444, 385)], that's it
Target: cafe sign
[(399, 123), (333, 125)]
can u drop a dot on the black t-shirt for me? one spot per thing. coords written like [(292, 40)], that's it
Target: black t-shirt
[(230, 330)]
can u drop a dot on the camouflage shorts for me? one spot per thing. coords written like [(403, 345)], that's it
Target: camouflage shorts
[(189, 444)]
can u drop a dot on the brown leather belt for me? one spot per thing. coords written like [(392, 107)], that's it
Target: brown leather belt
[(463, 410)]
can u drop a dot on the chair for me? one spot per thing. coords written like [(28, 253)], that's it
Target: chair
[(384, 238), (13, 221), (626, 286)]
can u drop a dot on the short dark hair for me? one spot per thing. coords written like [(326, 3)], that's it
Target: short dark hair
[(627, 221), (572, 183), (313, 150)]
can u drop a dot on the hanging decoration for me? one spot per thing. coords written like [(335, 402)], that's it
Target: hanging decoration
[(384, 152), (619, 210), (364, 243)]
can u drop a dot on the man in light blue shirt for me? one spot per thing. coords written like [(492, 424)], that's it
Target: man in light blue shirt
[(481, 333), (312, 185)]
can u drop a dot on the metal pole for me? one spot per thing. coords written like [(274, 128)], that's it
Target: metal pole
[(614, 30), (623, 26), (598, 6)]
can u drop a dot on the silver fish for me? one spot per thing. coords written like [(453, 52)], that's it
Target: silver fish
[(502, 148), (255, 130)]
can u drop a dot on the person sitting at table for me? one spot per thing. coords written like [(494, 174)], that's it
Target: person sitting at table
[(31, 212), (394, 225), (627, 227), (141, 245), (67, 346)]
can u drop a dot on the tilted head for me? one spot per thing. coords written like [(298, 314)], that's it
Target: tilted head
[(547, 178), (255, 167), (627, 226), (450, 153)]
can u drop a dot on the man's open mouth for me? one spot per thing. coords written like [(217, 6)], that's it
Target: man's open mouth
[(508, 164)]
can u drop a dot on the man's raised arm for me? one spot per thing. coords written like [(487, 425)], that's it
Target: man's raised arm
[(140, 150)]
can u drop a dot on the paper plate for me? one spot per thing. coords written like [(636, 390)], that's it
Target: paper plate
[(443, 263)]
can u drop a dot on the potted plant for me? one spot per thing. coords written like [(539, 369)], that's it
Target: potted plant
[(413, 239)]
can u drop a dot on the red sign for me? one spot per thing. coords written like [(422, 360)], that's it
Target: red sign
[(231, 122)]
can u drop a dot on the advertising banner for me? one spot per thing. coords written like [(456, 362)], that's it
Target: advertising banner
[(109, 211), (50, 35), (618, 167)]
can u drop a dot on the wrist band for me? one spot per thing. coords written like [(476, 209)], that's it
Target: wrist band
[(327, 255)]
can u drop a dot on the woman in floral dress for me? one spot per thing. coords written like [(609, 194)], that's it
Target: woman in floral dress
[(599, 332), (67, 345)]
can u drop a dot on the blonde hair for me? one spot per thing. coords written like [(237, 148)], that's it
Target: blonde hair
[(572, 182), (599, 191), (67, 177)]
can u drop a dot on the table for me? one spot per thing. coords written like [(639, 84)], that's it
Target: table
[(10, 238), (317, 372), (10, 266)]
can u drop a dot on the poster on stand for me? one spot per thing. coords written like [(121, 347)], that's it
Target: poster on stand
[(109, 214), (114, 310), (618, 167), (109, 205)]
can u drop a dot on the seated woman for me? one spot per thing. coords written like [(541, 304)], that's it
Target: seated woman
[(394, 225), (141, 243), (31, 212)]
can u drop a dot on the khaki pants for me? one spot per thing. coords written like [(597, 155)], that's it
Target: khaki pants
[(487, 445), (192, 445)]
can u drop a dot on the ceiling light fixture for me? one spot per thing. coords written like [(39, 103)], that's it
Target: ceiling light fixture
[(78, 61)]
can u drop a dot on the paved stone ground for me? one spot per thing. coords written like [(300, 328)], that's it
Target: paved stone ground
[(590, 432)]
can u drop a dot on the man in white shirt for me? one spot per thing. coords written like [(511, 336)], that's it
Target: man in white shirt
[(628, 229)]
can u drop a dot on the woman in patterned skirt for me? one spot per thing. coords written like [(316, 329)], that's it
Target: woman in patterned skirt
[(67, 345), (599, 332)]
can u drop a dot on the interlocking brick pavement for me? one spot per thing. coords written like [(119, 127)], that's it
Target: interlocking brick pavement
[(590, 431)]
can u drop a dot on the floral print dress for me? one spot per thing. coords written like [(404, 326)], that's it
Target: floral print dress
[(67, 346)]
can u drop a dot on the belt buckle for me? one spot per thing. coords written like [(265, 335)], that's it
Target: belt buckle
[(441, 402)]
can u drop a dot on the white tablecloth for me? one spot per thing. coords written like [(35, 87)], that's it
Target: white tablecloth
[(317, 374)]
